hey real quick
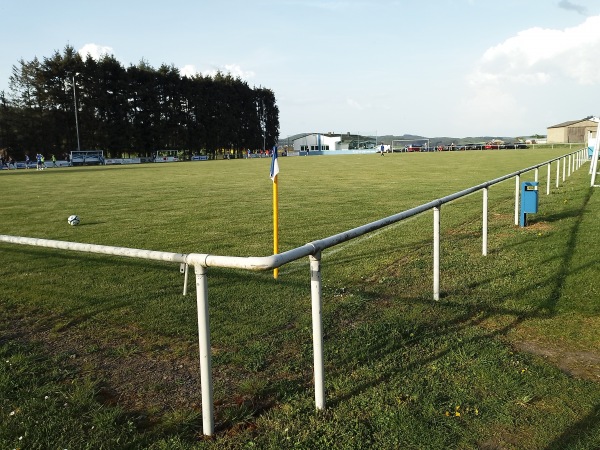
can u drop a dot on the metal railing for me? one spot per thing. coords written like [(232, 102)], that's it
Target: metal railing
[(201, 262)]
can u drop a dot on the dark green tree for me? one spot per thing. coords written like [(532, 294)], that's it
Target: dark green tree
[(133, 111)]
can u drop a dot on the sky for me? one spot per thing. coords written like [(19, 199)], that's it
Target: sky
[(433, 68)]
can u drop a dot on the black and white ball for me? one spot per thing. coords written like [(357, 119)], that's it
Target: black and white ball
[(73, 220)]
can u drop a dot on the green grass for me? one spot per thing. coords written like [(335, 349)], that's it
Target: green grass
[(113, 343)]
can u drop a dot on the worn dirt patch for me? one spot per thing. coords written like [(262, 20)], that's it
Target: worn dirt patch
[(137, 373), (539, 226), (579, 364)]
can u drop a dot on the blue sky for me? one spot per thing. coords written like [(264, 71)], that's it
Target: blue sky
[(435, 68)]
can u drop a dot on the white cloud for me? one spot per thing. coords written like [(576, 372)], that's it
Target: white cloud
[(354, 104), (234, 70), (188, 70), (537, 56), (95, 51)]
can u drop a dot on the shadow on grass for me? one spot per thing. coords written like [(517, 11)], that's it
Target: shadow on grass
[(465, 316), (565, 265), (581, 434)]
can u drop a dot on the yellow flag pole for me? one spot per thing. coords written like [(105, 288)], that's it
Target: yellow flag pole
[(275, 222)]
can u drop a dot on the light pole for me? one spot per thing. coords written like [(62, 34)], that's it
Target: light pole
[(75, 103), (264, 124)]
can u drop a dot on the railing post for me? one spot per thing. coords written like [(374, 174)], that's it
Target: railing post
[(564, 168), (517, 182), (485, 222), (186, 270), (557, 172), (569, 167), (536, 175), (436, 253), (208, 419), (548, 180), (317, 324)]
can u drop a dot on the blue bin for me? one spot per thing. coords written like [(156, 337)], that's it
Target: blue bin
[(529, 200)]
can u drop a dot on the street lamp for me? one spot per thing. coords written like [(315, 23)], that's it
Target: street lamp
[(75, 103)]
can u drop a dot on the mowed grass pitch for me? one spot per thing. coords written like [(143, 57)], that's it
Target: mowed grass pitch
[(101, 352)]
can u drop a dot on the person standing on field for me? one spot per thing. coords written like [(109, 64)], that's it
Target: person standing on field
[(54, 161)]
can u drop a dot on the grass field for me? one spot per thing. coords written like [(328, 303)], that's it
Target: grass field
[(101, 352)]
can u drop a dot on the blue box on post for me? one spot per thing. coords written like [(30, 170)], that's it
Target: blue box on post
[(529, 200)]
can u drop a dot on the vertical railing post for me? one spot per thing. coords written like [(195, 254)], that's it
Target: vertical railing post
[(569, 167), (436, 253), (564, 163), (517, 182), (536, 175), (557, 172), (548, 180), (208, 420), (485, 222), (186, 270), (317, 324)]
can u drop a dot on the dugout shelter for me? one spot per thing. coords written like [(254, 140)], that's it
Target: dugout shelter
[(87, 157)]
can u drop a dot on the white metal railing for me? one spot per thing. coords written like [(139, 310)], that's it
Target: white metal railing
[(201, 261)]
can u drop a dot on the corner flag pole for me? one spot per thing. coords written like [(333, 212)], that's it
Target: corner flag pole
[(274, 177)]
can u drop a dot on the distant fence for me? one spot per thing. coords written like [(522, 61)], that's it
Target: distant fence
[(201, 261)]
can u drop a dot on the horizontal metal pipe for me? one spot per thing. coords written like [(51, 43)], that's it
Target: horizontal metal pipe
[(93, 248)]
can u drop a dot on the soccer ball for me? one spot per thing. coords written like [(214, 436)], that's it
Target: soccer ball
[(73, 220)]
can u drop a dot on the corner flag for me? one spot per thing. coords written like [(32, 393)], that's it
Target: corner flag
[(274, 165), (273, 174)]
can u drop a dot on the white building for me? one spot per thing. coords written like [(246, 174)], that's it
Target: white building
[(317, 142)]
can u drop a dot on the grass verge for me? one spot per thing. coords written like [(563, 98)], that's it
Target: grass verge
[(504, 360)]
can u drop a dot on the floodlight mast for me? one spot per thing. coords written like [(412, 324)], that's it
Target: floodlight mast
[(75, 103)]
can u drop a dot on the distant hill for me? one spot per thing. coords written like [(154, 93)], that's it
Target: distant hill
[(433, 141), (447, 140)]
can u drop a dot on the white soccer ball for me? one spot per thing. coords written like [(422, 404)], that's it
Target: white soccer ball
[(73, 220)]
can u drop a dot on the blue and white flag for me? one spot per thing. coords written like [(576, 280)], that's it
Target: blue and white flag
[(274, 165)]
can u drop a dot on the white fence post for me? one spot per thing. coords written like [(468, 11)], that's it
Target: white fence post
[(485, 222), (436, 253), (208, 419), (186, 270), (317, 324), (517, 182), (557, 172), (548, 181), (564, 168), (569, 167), (536, 175)]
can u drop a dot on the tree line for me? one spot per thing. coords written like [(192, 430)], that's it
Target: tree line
[(65, 101)]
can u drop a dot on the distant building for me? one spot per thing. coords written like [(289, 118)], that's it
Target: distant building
[(574, 131), (316, 142)]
